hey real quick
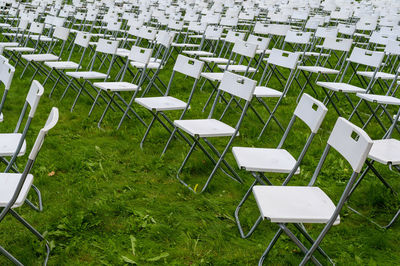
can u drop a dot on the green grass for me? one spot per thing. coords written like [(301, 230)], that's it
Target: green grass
[(110, 202)]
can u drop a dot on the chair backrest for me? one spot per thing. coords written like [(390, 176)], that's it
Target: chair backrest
[(6, 74), (107, 46), (61, 33), (36, 28), (147, 33), (337, 44), (23, 24), (33, 97), (237, 85), (380, 38), (50, 123), (278, 29), (197, 26), (232, 36), (323, 32), (351, 142), (245, 48), (139, 54), (82, 39), (366, 57), (213, 32), (346, 29), (262, 42), (311, 111), (283, 58), (393, 47), (298, 37), (188, 66), (165, 38)]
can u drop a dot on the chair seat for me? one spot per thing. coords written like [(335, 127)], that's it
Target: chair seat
[(86, 75), (262, 91), (116, 86), (123, 52), (264, 160), (315, 54), (20, 49), (341, 87), (238, 68), (385, 151), (9, 44), (163, 103), (40, 57), (293, 204), (150, 65), (318, 69), (41, 38), (8, 185), (205, 127), (9, 143), (62, 64), (380, 75), (212, 76), (382, 99), (186, 45), (198, 53), (218, 60)]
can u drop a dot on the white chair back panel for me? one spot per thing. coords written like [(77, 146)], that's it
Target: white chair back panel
[(139, 54), (311, 112), (175, 25), (6, 74), (393, 47), (262, 42), (261, 28), (35, 92), (197, 26), (107, 46), (366, 57), (351, 142), (114, 26), (232, 36), (147, 33), (278, 29), (188, 66), (58, 21), (283, 58), (380, 38), (338, 44), (346, 29), (36, 28), (23, 24), (245, 48), (82, 39), (61, 33), (326, 32), (237, 85), (213, 33), (165, 38), (298, 37)]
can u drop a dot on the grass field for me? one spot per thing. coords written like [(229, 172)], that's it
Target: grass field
[(108, 202)]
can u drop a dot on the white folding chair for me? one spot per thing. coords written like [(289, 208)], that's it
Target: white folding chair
[(6, 75), (203, 129), (258, 161), (159, 105), (14, 188), (309, 204)]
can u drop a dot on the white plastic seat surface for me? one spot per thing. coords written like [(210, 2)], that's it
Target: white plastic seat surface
[(198, 53), (9, 44), (8, 184), (87, 75), (187, 45), (212, 76), (264, 160), (381, 75), (205, 127), (163, 103), (9, 143), (342, 87), (382, 99), (293, 204), (237, 68), (219, 60), (62, 64), (262, 91), (40, 57), (116, 86), (20, 49), (318, 69), (385, 151)]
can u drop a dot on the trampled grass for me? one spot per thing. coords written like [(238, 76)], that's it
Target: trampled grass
[(106, 201)]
